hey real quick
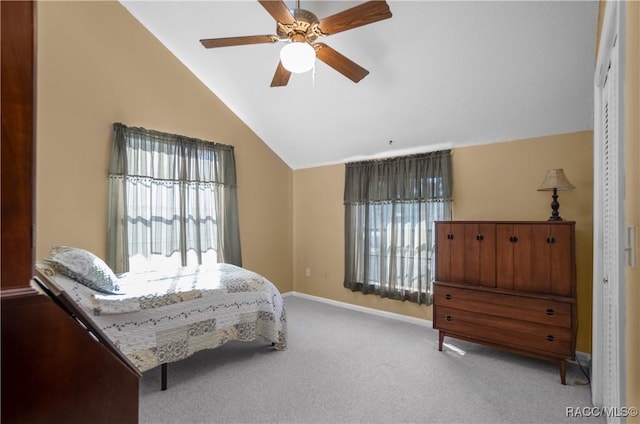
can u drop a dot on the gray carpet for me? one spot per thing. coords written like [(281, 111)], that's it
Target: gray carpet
[(344, 366)]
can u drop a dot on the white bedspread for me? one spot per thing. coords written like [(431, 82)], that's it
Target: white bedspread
[(165, 317)]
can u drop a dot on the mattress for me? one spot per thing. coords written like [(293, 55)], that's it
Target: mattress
[(166, 316)]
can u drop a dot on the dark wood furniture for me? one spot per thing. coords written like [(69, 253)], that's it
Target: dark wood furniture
[(509, 285), (54, 369)]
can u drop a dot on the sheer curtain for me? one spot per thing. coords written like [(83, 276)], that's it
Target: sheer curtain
[(172, 200), (390, 208)]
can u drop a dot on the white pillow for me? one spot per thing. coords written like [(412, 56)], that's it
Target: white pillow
[(84, 267)]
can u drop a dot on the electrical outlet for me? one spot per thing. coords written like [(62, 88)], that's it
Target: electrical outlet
[(307, 272)]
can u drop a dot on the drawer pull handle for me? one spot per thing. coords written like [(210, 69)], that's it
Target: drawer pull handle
[(513, 239), (550, 312), (447, 296), (550, 338), (448, 318), (551, 240), (479, 237)]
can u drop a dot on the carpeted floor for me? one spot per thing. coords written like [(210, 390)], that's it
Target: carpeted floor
[(344, 366)]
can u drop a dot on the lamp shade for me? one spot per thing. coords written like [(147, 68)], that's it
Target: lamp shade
[(298, 57), (555, 179)]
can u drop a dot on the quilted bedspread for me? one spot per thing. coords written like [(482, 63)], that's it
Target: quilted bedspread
[(165, 317)]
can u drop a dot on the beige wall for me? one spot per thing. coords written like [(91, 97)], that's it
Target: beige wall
[(632, 193), (97, 65), (491, 182)]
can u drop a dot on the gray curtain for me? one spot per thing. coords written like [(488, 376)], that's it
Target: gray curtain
[(168, 194), (390, 208)]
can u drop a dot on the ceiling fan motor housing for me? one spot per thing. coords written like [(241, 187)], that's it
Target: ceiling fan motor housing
[(305, 27)]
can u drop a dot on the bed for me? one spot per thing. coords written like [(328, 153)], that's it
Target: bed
[(158, 317)]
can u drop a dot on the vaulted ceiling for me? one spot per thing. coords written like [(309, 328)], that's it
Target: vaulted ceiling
[(442, 74)]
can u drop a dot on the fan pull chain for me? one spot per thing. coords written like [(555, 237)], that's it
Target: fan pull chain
[(313, 75)]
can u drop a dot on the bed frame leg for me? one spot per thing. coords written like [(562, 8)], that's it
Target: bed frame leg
[(163, 369)]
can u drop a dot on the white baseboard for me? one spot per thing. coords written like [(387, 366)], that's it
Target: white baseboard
[(372, 311), (583, 357)]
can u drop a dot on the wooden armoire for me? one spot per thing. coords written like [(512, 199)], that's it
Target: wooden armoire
[(56, 368), (510, 285)]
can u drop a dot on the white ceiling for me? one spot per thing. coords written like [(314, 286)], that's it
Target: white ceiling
[(442, 74)]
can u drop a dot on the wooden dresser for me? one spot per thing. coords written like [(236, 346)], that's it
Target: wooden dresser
[(510, 285)]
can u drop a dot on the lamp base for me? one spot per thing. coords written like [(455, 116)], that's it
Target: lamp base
[(555, 206)]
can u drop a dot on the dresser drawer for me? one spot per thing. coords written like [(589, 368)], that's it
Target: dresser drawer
[(524, 308), (510, 332)]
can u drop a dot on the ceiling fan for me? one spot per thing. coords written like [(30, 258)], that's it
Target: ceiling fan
[(300, 30)]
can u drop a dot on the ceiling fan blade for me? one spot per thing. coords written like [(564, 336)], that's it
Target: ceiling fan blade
[(238, 41), (340, 63), (278, 10), (363, 14), (281, 77)]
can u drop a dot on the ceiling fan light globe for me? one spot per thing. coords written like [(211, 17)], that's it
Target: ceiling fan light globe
[(298, 57)]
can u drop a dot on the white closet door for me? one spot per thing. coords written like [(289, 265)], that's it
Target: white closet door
[(611, 241), (608, 304)]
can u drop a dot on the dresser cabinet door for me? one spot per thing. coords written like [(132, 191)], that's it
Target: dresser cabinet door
[(450, 252), (535, 257), (554, 268), (513, 257), (479, 255), (466, 253)]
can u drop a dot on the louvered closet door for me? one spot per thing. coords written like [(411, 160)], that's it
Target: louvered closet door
[(611, 250)]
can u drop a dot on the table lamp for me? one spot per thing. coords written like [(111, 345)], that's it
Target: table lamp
[(555, 180)]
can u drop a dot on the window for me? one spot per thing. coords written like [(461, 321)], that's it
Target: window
[(173, 201), (390, 208)]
